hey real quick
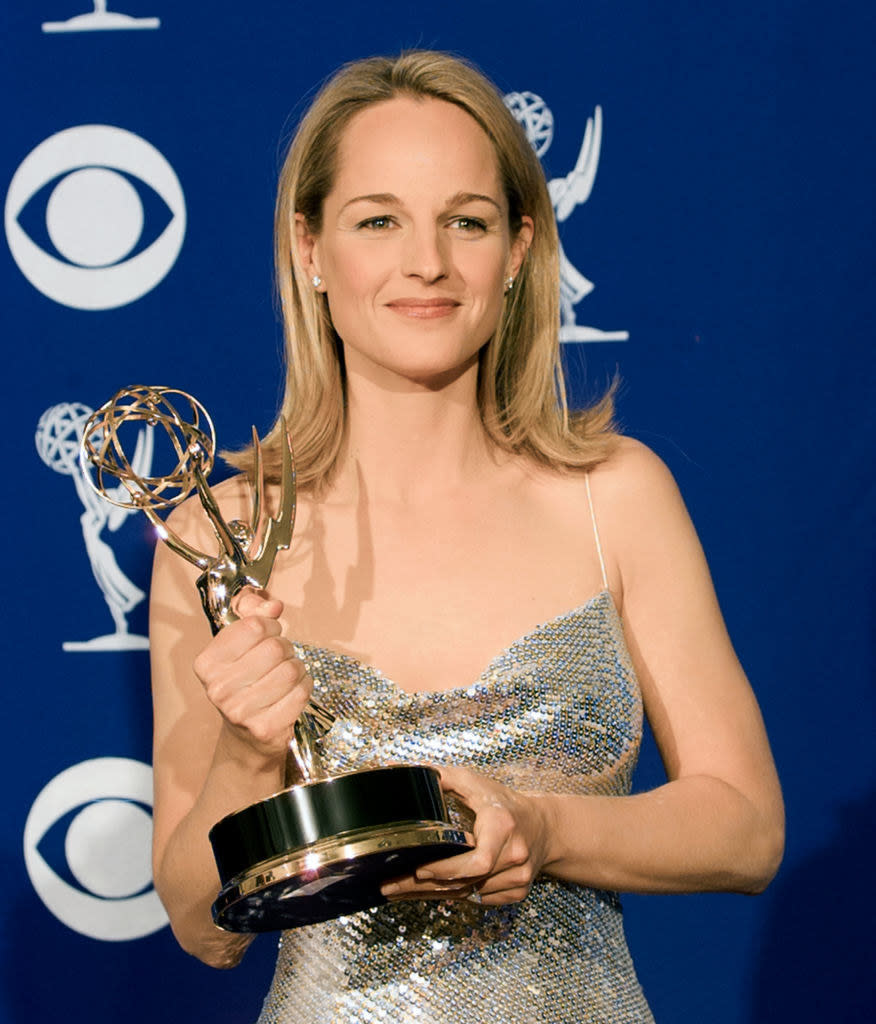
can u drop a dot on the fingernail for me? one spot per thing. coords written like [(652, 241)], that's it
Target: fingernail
[(390, 889), (425, 873)]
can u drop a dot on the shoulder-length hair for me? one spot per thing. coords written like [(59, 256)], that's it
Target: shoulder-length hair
[(521, 389)]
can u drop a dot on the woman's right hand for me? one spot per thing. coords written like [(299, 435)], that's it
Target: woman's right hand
[(224, 711), (251, 675)]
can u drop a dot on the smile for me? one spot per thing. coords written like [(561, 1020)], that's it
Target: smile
[(423, 309)]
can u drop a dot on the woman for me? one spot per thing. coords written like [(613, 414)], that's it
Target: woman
[(448, 506)]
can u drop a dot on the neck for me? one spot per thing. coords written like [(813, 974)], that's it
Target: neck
[(414, 443)]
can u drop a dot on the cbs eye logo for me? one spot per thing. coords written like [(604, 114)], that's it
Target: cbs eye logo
[(106, 845), (85, 192)]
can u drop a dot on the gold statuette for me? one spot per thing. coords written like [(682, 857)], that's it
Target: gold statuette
[(322, 847), (246, 551)]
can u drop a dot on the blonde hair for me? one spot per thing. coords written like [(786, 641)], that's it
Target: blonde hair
[(521, 389)]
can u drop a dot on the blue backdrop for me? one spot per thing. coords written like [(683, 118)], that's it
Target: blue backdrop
[(728, 236)]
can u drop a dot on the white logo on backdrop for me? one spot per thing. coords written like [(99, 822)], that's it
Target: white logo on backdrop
[(58, 434), (566, 193), (100, 19), (107, 848), (94, 217)]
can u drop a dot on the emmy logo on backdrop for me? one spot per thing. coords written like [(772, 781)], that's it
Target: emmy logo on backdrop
[(100, 20), (566, 194), (57, 441)]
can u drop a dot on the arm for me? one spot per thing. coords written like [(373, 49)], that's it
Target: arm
[(223, 712), (717, 824)]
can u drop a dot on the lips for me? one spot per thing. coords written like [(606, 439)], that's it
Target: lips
[(423, 309)]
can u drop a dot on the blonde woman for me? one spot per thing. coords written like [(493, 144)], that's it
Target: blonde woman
[(479, 580)]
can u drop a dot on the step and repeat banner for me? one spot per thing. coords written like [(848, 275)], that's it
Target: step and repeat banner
[(712, 174)]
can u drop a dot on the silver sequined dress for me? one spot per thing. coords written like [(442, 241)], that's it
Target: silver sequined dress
[(558, 711)]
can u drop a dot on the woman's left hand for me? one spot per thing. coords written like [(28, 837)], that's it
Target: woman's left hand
[(511, 837)]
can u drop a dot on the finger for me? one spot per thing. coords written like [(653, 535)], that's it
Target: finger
[(257, 602), (276, 686), (501, 899), (265, 655), (257, 678), (460, 868), (461, 782), (237, 638), (465, 868), (272, 725), (408, 888), (517, 879), (493, 829), (476, 791)]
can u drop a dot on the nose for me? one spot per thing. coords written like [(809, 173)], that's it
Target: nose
[(424, 255)]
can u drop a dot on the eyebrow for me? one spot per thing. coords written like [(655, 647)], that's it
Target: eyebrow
[(388, 199), (461, 198)]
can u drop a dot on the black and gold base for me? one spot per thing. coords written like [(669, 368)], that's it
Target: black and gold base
[(322, 849)]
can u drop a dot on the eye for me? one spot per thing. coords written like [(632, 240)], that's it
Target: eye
[(376, 223), (95, 217), (94, 820), (469, 225)]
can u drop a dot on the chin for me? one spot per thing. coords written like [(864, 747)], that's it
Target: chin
[(427, 369)]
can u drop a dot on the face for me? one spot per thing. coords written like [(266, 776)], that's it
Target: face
[(415, 245)]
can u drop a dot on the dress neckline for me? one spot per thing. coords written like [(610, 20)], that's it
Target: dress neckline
[(603, 596)]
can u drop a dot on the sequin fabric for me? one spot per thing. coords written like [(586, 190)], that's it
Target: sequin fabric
[(558, 711)]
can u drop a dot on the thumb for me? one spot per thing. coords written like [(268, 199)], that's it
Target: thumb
[(458, 781)]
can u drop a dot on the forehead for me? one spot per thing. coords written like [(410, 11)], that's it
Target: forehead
[(415, 143)]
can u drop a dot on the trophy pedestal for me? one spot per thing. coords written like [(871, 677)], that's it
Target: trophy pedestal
[(322, 849)]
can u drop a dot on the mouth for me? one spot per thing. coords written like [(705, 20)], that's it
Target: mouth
[(423, 309)]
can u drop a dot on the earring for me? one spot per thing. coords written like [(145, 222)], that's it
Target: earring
[(316, 280), (509, 284)]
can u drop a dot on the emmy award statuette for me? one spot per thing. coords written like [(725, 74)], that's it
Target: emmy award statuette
[(322, 847)]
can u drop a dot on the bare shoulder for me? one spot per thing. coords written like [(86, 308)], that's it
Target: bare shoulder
[(635, 495), (632, 472), (644, 525), (632, 482)]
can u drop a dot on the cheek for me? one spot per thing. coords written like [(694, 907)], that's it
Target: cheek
[(352, 281), (358, 273), (486, 276), (490, 289)]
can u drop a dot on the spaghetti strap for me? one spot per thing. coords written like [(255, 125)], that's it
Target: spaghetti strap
[(596, 532)]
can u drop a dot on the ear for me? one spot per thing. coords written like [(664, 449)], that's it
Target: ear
[(308, 249), (520, 246)]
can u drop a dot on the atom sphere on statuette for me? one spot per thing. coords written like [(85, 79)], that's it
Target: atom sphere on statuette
[(187, 429)]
